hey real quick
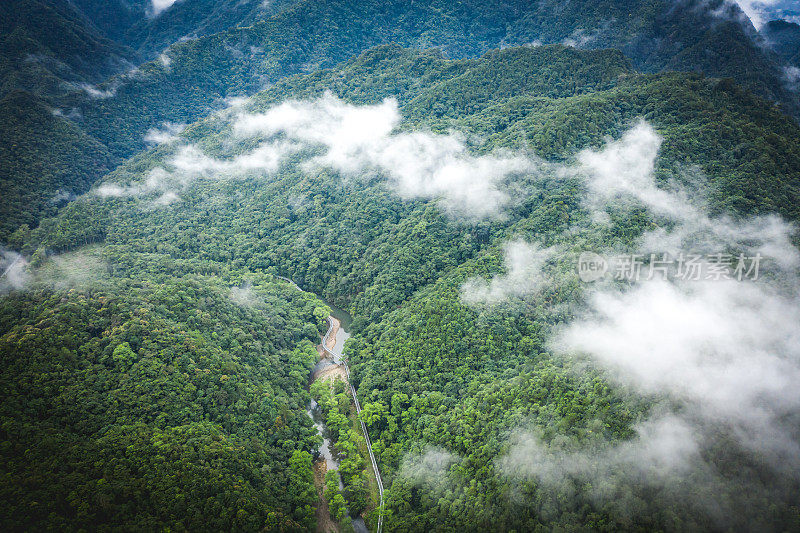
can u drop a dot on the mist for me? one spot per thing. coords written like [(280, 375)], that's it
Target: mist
[(167, 133), (159, 6), (97, 93), (726, 349), (362, 140), (358, 142), (189, 164), (13, 271), (428, 469), (58, 272), (524, 275), (757, 10)]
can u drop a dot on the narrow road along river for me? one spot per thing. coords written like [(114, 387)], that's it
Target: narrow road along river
[(332, 345)]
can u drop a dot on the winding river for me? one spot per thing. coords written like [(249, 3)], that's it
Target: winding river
[(335, 359), (314, 412)]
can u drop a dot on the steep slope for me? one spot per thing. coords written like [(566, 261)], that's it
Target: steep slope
[(784, 38), (446, 385), (48, 47), (191, 78), (196, 18), (155, 401), (45, 160), (309, 35), (149, 30)]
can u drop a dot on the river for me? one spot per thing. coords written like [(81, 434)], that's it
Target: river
[(313, 409)]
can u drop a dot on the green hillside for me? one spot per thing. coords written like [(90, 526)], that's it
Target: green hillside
[(309, 35), (48, 48), (44, 161), (433, 373), (242, 47)]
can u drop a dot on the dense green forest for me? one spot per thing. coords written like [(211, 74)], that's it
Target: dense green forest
[(78, 57), (32, 186), (172, 171), (185, 352), (155, 394)]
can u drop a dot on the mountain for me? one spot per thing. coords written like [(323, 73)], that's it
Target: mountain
[(445, 385), (203, 72), (33, 185), (565, 234), (190, 19), (150, 27), (784, 38), (193, 77), (49, 48)]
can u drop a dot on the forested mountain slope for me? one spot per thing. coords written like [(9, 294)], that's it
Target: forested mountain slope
[(152, 398), (33, 186), (150, 27), (244, 47), (451, 387), (784, 38), (196, 18), (48, 48), (309, 35)]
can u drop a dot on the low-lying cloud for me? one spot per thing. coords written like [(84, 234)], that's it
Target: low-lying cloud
[(758, 11), (428, 469), (58, 272), (245, 296), (159, 6), (168, 132), (355, 141), (96, 92), (189, 164), (360, 140), (524, 275), (664, 447), (13, 271), (728, 351)]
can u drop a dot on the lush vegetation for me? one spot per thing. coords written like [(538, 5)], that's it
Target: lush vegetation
[(32, 186), (52, 49), (336, 405), (155, 396)]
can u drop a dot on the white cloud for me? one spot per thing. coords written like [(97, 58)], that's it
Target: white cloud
[(727, 351), (792, 76), (731, 348), (58, 272), (14, 274), (159, 6), (61, 196), (580, 38), (96, 92), (167, 133), (428, 469), (523, 276), (758, 11), (662, 447), (624, 168), (360, 139), (190, 164), (245, 296)]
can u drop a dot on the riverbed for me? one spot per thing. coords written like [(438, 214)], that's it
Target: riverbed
[(315, 413)]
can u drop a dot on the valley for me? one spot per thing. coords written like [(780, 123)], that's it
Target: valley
[(316, 266)]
